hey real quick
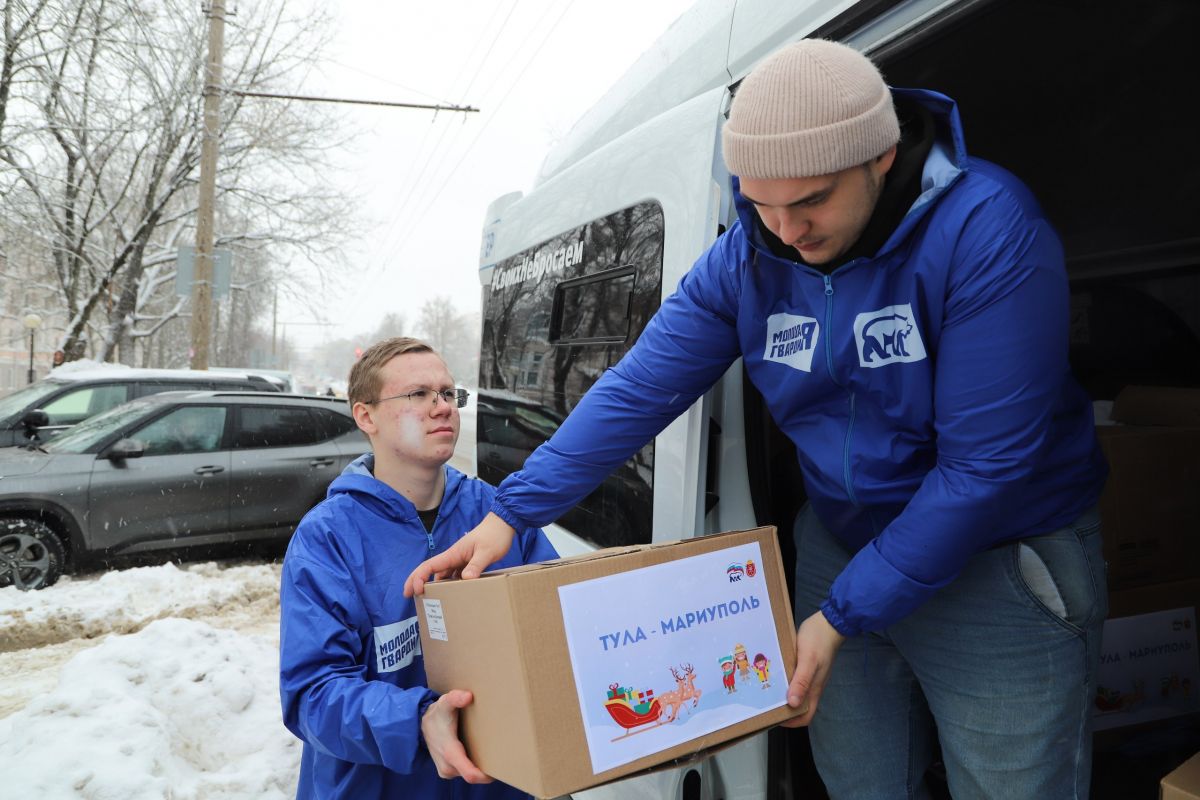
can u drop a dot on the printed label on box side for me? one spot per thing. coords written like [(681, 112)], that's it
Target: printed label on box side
[(667, 653), (1148, 668), (435, 623)]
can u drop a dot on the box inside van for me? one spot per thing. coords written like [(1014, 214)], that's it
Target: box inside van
[(1090, 103)]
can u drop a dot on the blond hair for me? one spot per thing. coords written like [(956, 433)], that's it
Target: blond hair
[(366, 379)]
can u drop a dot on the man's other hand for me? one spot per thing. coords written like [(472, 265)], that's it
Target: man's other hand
[(439, 727), (817, 643)]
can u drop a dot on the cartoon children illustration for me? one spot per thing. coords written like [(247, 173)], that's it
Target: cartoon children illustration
[(727, 669), (741, 661), (762, 668)]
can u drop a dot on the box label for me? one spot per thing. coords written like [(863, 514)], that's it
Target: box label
[(435, 623), (1148, 668), (667, 653)]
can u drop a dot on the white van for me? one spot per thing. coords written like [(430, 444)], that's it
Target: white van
[(1088, 102)]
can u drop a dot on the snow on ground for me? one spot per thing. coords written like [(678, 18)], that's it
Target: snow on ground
[(151, 682)]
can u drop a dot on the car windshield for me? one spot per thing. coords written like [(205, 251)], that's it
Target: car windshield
[(95, 429), (18, 401)]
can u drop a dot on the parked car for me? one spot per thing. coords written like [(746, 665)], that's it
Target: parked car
[(169, 471), (70, 395), (285, 379)]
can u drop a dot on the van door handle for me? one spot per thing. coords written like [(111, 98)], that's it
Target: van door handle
[(213, 470), (320, 462)]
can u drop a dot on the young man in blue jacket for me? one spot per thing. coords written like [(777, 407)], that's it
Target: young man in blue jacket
[(352, 679), (903, 309)]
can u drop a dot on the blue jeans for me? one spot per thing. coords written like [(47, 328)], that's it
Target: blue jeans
[(1000, 666)]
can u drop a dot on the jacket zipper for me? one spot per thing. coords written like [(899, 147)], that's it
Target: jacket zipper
[(833, 377), (429, 533)]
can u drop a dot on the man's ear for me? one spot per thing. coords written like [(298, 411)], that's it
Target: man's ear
[(362, 417), (883, 161)]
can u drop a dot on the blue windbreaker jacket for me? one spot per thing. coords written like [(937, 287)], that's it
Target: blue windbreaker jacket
[(926, 388), (351, 676)]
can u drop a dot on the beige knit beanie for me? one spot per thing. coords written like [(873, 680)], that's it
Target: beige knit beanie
[(812, 108)]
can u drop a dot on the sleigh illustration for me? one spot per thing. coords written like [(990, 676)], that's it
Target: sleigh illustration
[(633, 710)]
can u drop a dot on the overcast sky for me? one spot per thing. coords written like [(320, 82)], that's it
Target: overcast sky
[(424, 182)]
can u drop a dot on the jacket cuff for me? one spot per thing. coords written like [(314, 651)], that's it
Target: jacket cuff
[(835, 619), (503, 513), (871, 594)]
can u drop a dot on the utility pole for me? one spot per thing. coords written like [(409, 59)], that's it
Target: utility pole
[(202, 287), (203, 274)]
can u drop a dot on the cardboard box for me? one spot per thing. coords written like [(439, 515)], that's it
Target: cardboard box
[(1148, 668), (1173, 406), (1149, 663), (1182, 783), (606, 665), (1151, 505), (1155, 597)]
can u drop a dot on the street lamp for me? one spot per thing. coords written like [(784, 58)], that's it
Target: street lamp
[(33, 322)]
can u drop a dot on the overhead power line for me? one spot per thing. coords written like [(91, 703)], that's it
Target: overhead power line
[(314, 99), (201, 326)]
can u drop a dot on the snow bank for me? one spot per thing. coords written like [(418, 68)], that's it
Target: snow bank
[(128, 600), (180, 710)]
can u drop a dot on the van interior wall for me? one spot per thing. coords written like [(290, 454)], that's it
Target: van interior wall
[(1090, 103)]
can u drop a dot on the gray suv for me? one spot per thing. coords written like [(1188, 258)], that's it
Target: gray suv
[(68, 396), (169, 471)]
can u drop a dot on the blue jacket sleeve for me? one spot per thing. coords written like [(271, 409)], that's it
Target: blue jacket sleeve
[(327, 700), (536, 547), (1001, 363), (683, 351)]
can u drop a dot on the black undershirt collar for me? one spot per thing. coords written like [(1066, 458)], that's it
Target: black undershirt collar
[(428, 518)]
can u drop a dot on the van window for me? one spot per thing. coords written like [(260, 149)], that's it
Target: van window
[(556, 316), (79, 404), (593, 309)]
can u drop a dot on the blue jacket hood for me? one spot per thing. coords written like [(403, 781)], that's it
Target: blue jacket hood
[(358, 483)]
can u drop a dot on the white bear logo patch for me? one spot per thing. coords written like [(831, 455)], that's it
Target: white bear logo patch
[(888, 336)]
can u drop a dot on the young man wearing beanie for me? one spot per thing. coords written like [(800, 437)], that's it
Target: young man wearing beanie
[(902, 308)]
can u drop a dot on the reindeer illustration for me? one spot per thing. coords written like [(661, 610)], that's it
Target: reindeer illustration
[(674, 699), (691, 691), (685, 689)]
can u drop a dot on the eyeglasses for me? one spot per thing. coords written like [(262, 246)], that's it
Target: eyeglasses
[(418, 397)]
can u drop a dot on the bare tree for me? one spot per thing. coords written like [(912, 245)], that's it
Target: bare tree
[(109, 161), (22, 20), (453, 334), (392, 325)]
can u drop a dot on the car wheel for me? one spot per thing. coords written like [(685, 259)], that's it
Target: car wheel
[(31, 554)]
